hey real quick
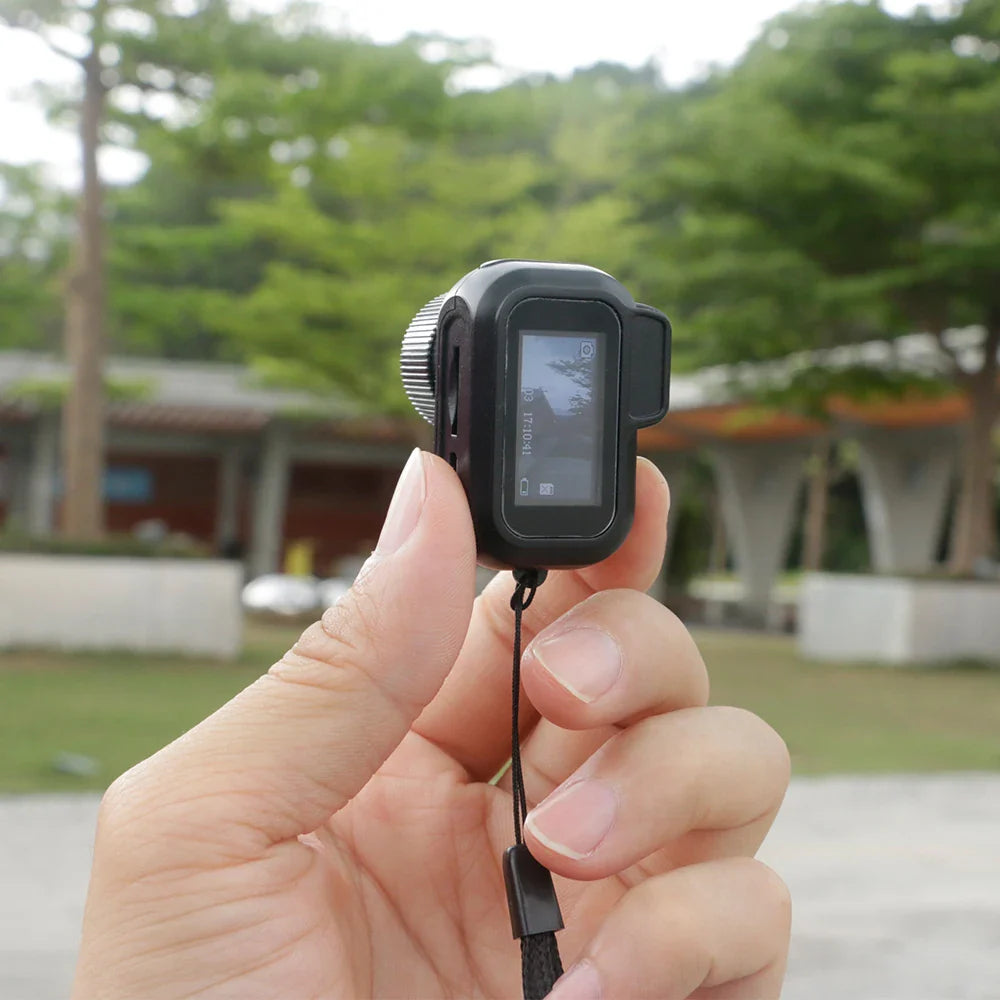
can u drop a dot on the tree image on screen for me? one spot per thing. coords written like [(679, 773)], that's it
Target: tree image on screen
[(558, 419)]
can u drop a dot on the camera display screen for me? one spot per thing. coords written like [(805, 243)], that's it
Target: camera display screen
[(559, 418)]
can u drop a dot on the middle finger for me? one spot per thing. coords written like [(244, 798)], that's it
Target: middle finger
[(615, 658), (612, 660)]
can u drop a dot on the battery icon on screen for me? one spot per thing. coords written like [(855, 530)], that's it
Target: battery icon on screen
[(524, 487)]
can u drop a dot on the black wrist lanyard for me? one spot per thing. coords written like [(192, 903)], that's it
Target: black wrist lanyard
[(531, 896)]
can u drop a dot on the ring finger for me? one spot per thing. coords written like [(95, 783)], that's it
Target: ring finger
[(686, 786)]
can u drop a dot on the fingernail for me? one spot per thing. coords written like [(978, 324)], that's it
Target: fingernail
[(585, 661), (404, 510), (574, 820), (581, 983)]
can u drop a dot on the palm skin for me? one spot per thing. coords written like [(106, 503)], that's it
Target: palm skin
[(375, 733), (400, 894)]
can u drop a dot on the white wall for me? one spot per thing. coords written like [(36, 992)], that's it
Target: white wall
[(898, 620), (189, 606)]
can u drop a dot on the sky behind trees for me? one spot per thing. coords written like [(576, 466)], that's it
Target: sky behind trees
[(531, 37)]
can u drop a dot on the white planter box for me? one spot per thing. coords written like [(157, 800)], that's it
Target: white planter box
[(897, 620), (141, 605)]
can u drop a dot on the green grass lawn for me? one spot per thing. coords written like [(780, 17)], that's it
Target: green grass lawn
[(839, 718), (118, 708)]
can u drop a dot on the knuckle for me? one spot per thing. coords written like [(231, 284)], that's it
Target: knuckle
[(110, 811), (121, 802), (341, 653), (775, 750), (351, 627), (124, 817), (655, 624), (344, 637), (740, 720), (774, 895), (782, 758), (677, 639), (766, 738), (770, 751)]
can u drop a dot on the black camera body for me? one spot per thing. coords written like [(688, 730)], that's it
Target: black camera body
[(536, 377)]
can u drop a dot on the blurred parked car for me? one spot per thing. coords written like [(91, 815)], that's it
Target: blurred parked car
[(292, 596)]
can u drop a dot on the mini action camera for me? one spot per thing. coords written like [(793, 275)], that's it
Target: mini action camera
[(536, 377)]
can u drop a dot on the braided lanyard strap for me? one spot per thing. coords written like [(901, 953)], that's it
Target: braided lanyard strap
[(531, 896)]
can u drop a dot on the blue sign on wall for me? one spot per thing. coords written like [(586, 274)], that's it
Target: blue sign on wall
[(128, 484), (121, 484)]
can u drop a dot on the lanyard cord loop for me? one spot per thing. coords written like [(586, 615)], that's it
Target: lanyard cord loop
[(531, 896), (528, 581)]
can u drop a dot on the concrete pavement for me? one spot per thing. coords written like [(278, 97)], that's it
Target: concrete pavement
[(895, 883), (895, 887), (45, 844)]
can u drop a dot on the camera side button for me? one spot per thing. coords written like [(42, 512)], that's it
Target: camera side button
[(453, 386), (647, 391)]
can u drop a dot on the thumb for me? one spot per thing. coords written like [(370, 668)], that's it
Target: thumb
[(300, 742)]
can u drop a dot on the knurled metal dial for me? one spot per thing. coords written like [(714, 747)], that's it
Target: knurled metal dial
[(416, 359)]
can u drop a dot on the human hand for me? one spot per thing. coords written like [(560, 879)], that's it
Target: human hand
[(332, 832)]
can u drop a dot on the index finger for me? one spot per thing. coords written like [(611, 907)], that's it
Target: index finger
[(470, 716)]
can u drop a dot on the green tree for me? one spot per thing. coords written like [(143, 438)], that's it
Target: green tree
[(306, 193), (300, 222), (33, 224), (140, 61), (248, 235), (944, 271), (579, 131), (840, 185), (275, 114)]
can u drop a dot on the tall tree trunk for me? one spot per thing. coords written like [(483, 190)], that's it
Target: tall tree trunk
[(83, 414), (814, 528), (973, 534)]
